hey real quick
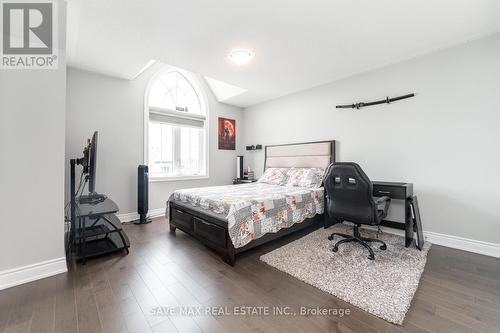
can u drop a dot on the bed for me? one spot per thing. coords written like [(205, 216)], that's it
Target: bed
[(234, 218)]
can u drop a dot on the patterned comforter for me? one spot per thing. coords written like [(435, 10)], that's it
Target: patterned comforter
[(252, 210)]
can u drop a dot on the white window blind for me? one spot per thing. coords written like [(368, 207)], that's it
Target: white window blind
[(176, 117)]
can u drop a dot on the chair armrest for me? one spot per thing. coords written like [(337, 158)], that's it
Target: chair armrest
[(382, 200), (383, 204)]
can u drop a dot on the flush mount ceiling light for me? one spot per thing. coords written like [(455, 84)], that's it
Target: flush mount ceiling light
[(241, 57)]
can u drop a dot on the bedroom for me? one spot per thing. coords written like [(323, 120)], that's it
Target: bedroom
[(260, 80)]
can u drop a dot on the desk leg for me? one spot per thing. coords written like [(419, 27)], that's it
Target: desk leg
[(417, 223), (408, 223)]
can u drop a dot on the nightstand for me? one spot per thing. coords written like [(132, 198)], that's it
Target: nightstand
[(238, 181)]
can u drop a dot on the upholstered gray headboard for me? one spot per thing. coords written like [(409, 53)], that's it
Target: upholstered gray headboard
[(300, 155)]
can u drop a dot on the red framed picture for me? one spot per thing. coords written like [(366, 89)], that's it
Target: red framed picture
[(227, 134)]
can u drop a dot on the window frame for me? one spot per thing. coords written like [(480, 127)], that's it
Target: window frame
[(196, 85)]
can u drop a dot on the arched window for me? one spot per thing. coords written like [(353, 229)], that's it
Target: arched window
[(176, 132)]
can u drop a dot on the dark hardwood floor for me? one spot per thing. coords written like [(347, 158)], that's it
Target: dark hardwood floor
[(459, 292)]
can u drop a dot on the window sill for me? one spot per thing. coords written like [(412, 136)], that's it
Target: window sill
[(175, 178)]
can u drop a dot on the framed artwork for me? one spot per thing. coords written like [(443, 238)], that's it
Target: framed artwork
[(227, 134)]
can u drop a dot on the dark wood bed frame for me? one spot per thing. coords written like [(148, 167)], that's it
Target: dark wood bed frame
[(212, 230)]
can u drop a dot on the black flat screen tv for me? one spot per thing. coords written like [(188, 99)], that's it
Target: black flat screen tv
[(92, 163)]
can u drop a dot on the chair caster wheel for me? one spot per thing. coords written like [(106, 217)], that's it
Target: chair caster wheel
[(330, 237), (371, 257), (383, 247), (335, 249)]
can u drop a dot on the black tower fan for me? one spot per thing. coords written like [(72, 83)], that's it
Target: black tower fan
[(142, 194)]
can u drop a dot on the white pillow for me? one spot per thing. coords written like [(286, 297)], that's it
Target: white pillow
[(305, 177), (274, 176)]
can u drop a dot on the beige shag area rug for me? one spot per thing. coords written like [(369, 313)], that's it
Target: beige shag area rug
[(383, 287)]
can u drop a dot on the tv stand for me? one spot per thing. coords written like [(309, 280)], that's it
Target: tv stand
[(95, 229)]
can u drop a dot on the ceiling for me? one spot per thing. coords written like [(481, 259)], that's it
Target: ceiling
[(297, 44)]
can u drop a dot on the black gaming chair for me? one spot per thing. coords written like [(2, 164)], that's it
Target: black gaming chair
[(349, 198)]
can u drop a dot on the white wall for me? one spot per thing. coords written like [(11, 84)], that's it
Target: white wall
[(115, 108), (32, 117), (445, 140)]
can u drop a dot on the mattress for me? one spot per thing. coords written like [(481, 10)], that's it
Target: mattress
[(253, 210)]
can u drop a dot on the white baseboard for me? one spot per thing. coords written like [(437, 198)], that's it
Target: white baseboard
[(471, 245), (16, 276), (455, 242), (129, 217)]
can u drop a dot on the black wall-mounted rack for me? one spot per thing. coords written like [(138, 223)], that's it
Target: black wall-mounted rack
[(254, 147)]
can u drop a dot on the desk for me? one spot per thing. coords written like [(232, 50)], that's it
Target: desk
[(402, 191)]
